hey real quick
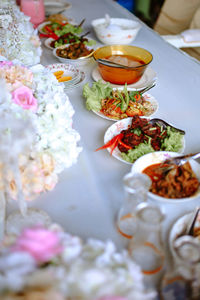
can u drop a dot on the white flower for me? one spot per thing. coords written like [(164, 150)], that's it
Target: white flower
[(22, 44)]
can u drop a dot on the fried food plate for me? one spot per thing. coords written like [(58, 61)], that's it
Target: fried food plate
[(116, 129)]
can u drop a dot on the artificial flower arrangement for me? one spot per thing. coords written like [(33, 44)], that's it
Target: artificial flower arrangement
[(47, 263), (18, 39), (35, 96)]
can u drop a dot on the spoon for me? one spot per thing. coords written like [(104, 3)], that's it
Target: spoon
[(83, 35), (81, 23), (163, 123), (112, 64), (147, 88), (180, 160), (107, 20), (193, 221)]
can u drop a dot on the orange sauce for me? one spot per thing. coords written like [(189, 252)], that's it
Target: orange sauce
[(155, 171)]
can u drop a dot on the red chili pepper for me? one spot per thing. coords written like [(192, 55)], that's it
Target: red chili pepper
[(53, 35), (137, 97), (124, 145), (112, 143)]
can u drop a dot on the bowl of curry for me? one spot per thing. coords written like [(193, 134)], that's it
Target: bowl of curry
[(170, 182)]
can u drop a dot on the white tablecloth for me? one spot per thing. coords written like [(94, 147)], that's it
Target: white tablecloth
[(89, 194)]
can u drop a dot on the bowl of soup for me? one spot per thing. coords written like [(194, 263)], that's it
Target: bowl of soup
[(134, 61)]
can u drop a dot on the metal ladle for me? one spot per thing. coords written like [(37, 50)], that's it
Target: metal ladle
[(114, 64), (163, 123)]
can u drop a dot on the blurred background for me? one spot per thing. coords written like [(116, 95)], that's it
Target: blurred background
[(146, 10)]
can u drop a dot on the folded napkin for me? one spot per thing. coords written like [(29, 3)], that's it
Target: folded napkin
[(191, 35)]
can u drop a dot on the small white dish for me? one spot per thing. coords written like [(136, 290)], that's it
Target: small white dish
[(55, 7), (68, 70), (115, 129), (118, 29), (157, 157), (75, 85), (146, 96), (147, 79)]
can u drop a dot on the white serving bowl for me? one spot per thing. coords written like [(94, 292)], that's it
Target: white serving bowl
[(119, 31), (55, 7), (77, 62), (157, 157)]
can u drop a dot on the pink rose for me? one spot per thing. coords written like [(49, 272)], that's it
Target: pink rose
[(5, 63), (42, 244), (23, 96), (112, 298)]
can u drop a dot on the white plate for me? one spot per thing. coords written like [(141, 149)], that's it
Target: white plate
[(69, 70), (41, 26), (55, 7), (146, 96), (147, 79), (114, 130), (49, 22), (47, 43)]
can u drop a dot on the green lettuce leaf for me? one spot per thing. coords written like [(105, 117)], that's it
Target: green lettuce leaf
[(173, 141), (68, 28), (139, 150), (94, 94)]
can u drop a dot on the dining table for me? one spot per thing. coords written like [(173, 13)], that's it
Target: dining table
[(89, 194)]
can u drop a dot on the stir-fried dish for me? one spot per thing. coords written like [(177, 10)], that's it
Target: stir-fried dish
[(74, 51), (172, 181), (116, 104), (141, 137)]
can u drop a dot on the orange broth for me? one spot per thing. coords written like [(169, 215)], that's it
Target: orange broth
[(130, 61), (122, 75)]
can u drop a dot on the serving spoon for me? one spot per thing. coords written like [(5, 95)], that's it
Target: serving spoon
[(114, 64), (163, 123), (191, 225), (181, 160)]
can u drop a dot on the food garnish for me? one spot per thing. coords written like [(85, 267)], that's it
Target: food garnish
[(60, 77), (172, 181), (116, 104), (141, 138)]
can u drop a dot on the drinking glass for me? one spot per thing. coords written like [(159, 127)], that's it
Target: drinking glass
[(33, 9)]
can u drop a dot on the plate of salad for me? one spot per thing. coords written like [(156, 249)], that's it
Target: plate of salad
[(55, 29), (118, 103), (130, 138), (68, 38)]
